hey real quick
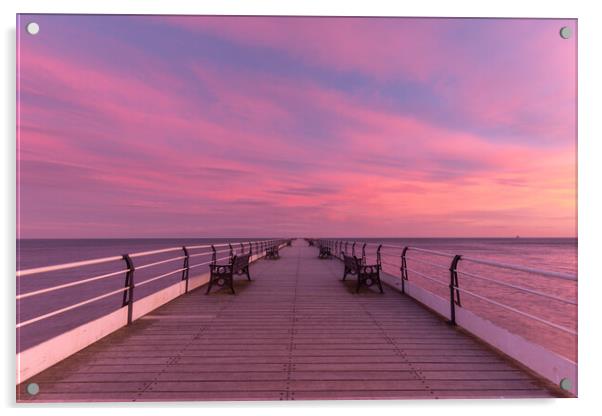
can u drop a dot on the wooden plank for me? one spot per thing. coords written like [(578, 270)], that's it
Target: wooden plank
[(493, 394), (376, 384), (182, 368), (116, 386), (218, 386), (78, 396), (270, 395)]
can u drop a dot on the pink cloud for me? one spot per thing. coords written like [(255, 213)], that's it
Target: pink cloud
[(499, 82), (379, 47), (119, 150)]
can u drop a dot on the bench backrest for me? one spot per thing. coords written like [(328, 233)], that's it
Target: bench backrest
[(240, 261), (351, 262), (370, 270)]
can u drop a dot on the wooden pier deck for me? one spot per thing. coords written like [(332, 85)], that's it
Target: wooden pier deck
[(296, 332)]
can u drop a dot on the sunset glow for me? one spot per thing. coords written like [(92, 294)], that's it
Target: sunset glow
[(263, 126)]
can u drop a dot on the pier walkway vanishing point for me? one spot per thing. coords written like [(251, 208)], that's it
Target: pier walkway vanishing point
[(295, 332)]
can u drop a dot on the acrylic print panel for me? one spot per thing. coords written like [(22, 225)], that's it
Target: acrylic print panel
[(295, 208)]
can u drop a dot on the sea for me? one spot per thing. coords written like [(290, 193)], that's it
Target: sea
[(537, 313)]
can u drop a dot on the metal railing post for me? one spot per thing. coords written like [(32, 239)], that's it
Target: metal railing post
[(346, 242), (186, 267), (250, 250), (128, 296), (353, 249), (231, 250), (214, 255), (378, 259), (453, 282), (457, 285), (404, 269), (364, 254)]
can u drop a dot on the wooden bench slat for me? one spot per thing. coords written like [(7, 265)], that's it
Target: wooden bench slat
[(367, 274), (272, 253), (325, 252), (223, 274)]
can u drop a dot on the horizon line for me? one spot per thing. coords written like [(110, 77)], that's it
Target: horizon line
[(517, 237)]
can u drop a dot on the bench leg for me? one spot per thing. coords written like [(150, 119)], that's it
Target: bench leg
[(209, 285), (232, 285), (359, 283), (344, 275), (380, 286), (247, 272)]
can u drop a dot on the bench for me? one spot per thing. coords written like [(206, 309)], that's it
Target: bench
[(324, 252), (350, 264), (272, 253), (367, 274), (223, 274)]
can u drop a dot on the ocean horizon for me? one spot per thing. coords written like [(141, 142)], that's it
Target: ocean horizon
[(39, 252)]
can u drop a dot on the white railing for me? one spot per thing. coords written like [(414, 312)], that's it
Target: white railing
[(255, 247), (455, 273), (453, 268), (78, 334)]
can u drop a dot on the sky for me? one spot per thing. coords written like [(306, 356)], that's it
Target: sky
[(209, 126)]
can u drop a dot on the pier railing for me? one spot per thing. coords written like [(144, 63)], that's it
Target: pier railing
[(528, 313), (182, 262)]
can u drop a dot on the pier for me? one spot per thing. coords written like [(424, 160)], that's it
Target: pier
[(294, 332)]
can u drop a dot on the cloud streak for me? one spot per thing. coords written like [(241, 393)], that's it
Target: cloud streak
[(217, 126)]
